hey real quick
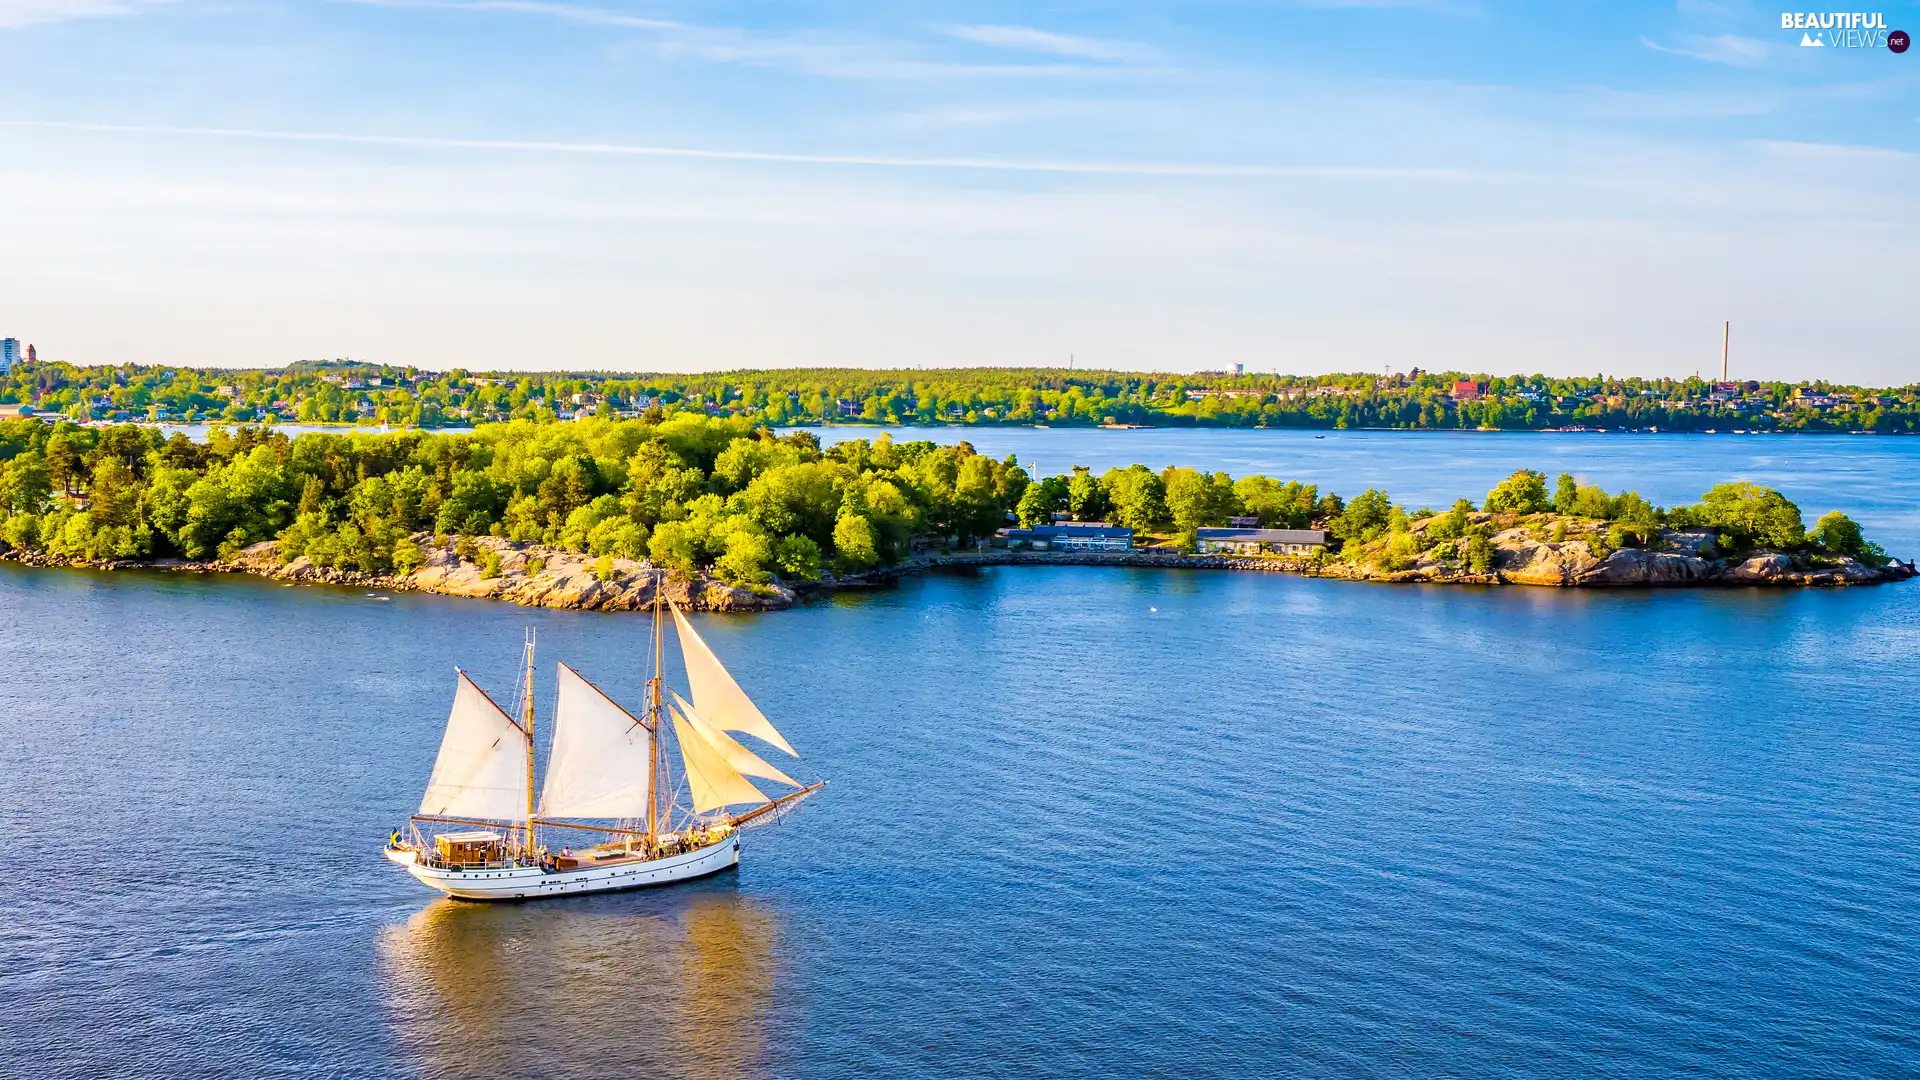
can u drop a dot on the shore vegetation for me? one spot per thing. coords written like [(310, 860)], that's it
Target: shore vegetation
[(349, 393)]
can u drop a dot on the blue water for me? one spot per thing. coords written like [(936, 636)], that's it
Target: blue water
[(1084, 822)]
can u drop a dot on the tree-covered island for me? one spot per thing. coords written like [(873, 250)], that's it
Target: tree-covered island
[(370, 395), (580, 514)]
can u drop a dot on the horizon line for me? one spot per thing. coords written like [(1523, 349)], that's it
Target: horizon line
[(909, 372)]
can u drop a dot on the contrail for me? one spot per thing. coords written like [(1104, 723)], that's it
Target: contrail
[(1384, 172)]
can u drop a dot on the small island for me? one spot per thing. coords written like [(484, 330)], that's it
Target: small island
[(726, 514)]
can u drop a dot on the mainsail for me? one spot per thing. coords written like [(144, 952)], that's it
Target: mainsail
[(600, 758), (712, 781), (741, 759), (717, 698), (482, 768)]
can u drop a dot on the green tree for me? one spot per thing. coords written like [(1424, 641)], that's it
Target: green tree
[(1838, 534), (1592, 502), (1086, 501), (798, 557), (26, 487), (1480, 554), (476, 501), (407, 557), (1453, 524), (746, 560), (1364, 519), (1291, 505), (1525, 492), (65, 463), (1036, 506), (1137, 497), (798, 498), (1195, 499), (1637, 522), (660, 482), (677, 545), (853, 542), (621, 537), (1752, 515), (1565, 489)]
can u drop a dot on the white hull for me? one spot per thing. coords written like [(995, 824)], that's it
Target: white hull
[(533, 883)]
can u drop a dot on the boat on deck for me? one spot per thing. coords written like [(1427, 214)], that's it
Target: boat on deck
[(626, 802)]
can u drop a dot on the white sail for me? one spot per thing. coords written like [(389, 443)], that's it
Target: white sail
[(739, 758), (482, 768), (713, 782), (717, 698), (600, 758)]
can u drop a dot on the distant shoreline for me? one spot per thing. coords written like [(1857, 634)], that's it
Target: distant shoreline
[(883, 427)]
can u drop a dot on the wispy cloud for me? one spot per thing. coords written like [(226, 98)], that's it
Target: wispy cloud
[(1836, 152), (1438, 7), (1673, 104), (832, 54), (1730, 49), (1018, 165), (29, 12), (1028, 39), (574, 13), (1002, 114)]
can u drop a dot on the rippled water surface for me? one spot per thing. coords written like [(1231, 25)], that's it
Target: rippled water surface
[(1084, 822)]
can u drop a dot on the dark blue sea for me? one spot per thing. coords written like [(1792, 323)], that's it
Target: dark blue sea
[(1083, 821)]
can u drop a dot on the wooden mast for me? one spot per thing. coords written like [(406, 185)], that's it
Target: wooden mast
[(528, 708), (653, 718)]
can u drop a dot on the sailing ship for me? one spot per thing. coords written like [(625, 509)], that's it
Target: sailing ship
[(610, 778)]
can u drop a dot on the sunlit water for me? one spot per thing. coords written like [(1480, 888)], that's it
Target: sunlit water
[(1083, 822)]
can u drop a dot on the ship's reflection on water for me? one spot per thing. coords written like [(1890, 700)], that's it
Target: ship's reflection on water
[(657, 985)]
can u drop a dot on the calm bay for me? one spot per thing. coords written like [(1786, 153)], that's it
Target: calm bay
[(1084, 821)]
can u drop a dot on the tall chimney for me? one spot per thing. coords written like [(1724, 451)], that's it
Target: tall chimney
[(1726, 331)]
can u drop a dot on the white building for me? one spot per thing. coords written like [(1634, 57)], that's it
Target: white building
[(1244, 541), (9, 354)]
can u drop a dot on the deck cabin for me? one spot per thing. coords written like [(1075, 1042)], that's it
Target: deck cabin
[(479, 847)]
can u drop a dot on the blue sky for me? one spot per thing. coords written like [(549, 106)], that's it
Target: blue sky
[(1340, 185)]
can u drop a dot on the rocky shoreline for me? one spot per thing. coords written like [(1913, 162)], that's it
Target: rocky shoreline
[(1530, 553), (1547, 565), (529, 574), (536, 576)]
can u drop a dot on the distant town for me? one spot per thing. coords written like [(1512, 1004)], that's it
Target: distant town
[(346, 392)]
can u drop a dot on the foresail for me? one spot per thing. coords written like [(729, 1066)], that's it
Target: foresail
[(716, 697), (600, 757), (741, 759), (713, 783), (481, 771)]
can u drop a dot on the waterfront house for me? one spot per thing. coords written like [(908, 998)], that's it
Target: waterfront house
[(1067, 536), (14, 412), (1242, 541)]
